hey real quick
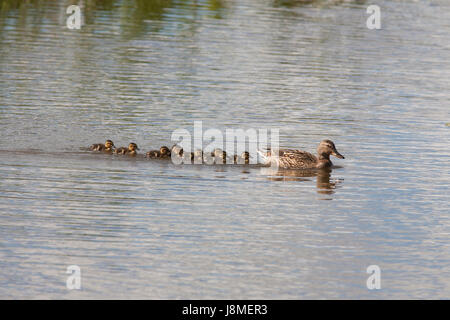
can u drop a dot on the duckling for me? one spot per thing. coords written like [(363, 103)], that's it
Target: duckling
[(152, 154), (162, 153), (188, 157), (244, 158), (107, 147), (131, 150), (176, 153), (208, 157), (219, 156), (197, 156), (297, 159), (177, 150)]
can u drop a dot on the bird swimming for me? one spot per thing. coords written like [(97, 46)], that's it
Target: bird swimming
[(131, 150), (244, 158), (162, 153), (298, 159), (107, 147), (176, 149), (197, 156), (219, 156)]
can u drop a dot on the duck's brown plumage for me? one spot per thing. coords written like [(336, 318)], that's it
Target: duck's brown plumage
[(298, 159)]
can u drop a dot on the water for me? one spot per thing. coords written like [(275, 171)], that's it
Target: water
[(138, 70)]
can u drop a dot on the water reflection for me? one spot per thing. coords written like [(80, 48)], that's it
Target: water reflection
[(217, 7), (298, 3), (134, 17), (135, 13), (324, 183), (292, 3)]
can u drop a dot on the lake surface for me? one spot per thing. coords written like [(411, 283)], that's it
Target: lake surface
[(137, 71)]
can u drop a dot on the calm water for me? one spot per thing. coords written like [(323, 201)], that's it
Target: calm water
[(137, 70)]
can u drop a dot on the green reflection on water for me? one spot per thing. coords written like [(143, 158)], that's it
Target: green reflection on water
[(135, 17)]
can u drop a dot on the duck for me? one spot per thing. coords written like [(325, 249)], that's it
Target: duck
[(107, 147), (176, 149), (244, 158), (190, 157), (197, 156), (219, 156), (131, 150), (162, 153), (298, 159), (176, 154)]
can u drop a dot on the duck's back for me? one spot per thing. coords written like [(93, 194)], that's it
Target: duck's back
[(97, 147), (296, 159), (121, 150), (153, 154)]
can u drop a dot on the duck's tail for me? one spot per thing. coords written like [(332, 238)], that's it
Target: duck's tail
[(266, 156), (263, 155), (270, 157)]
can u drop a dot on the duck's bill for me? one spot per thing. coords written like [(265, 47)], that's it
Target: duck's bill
[(338, 155)]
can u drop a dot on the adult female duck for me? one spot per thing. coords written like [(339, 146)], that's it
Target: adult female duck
[(297, 159)]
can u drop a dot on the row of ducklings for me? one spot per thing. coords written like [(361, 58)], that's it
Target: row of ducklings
[(198, 156), (217, 156), (109, 147)]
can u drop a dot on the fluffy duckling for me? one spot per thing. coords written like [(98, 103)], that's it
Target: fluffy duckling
[(244, 158), (298, 159), (188, 157), (131, 150), (177, 150), (197, 156), (107, 147), (162, 153), (220, 156)]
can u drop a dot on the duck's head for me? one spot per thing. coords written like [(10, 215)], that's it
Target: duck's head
[(326, 147), (164, 150), (109, 144), (133, 147)]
